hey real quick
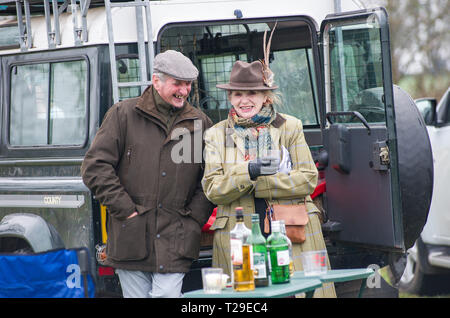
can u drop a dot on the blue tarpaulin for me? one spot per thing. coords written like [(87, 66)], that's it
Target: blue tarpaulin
[(52, 274)]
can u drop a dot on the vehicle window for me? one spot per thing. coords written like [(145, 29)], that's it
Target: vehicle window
[(215, 48), (356, 71), (216, 70), (293, 69), (48, 104), (128, 71), (9, 36)]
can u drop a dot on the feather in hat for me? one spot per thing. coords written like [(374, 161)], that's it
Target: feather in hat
[(268, 76)]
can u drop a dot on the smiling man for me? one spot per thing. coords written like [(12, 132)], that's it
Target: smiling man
[(156, 206)]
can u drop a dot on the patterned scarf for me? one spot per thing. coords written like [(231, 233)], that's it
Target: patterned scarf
[(254, 131)]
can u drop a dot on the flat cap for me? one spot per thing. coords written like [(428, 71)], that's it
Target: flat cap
[(176, 65)]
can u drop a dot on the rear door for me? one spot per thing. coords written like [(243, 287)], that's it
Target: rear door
[(363, 197)]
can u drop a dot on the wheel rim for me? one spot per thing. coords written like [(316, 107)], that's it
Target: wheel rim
[(408, 274)]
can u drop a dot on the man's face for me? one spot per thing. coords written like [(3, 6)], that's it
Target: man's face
[(173, 91)]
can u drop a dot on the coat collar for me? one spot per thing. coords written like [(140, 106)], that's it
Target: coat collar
[(146, 106), (275, 133), (278, 121)]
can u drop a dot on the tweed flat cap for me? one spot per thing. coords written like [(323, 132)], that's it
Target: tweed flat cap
[(176, 65)]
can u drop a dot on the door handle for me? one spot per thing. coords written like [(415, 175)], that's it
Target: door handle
[(355, 114)]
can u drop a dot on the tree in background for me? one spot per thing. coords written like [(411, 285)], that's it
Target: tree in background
[(420, 44)]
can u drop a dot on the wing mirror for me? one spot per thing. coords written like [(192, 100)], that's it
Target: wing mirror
[(427, 108)]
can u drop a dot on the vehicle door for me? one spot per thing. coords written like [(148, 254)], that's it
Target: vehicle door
[(379, 170)]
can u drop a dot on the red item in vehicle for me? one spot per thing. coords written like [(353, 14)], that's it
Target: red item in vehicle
[(105, 271), (212, 218), (321, 188)]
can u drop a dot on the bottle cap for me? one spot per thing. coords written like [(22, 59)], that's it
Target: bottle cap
[(255, 217), (239, 211), (276, 226)]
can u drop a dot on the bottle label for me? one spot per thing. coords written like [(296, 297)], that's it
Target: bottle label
[(251, 258), (259, 262), (283, 258), (236, 252)]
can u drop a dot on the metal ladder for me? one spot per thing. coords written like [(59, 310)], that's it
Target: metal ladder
[(144, 82), (53, 33)]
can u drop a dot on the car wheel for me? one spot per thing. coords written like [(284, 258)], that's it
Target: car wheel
[(411, 280), (415, 281)]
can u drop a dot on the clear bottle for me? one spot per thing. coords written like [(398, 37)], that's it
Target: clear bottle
[(291, 258), (279, 255), (241, 255), (260, 264)]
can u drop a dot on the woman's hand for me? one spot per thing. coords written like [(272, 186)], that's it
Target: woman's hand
[(263, 166), (132, 215)]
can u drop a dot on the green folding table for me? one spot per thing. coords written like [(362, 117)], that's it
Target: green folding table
[(295, 286), (340, 275), (299, 283)]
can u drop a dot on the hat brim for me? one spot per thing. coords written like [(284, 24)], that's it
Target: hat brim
[(232, 87)]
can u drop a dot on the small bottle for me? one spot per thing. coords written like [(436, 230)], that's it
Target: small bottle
[(279, 255), (241, 255), (260, 264), (291, 258)]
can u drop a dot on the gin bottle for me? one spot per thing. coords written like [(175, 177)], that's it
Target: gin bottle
[(279, 255), (260, 264)]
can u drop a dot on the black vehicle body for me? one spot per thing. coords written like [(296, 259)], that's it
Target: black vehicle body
[(378, 188)]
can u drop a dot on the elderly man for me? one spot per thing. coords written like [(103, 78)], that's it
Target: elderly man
[(155, 202)]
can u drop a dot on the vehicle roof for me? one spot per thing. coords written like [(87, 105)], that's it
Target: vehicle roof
[(175, 11)]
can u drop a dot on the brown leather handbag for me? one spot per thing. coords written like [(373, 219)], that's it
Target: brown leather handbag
[(295, 218)]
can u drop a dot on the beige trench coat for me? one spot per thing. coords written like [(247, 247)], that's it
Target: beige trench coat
[(226, 182)]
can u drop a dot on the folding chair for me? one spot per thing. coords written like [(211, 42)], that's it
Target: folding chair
[(60, 273)]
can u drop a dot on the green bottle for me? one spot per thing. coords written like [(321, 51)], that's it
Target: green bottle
[(291, 258), (260, 264), (279, 255)]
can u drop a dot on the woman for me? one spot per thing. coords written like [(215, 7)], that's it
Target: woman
[(243, 164)]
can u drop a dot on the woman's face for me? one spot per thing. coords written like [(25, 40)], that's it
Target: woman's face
[(247, 103)]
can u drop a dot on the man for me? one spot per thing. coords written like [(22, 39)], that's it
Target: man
[(155, 202)]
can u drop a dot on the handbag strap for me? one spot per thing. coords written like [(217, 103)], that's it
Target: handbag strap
[(268, 217)]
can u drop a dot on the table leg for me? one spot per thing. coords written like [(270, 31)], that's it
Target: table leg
[(361, 289), (309, 294)]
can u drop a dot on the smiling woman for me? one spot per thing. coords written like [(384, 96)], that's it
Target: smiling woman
[(257, 134), (247, 103)]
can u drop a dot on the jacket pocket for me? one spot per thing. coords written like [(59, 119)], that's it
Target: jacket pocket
[(189, 245), (127, 239), (220, 223)]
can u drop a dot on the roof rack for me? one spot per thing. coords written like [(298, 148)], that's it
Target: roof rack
[(24, 8)]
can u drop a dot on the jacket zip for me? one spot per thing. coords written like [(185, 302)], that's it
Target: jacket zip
[(129, 155)]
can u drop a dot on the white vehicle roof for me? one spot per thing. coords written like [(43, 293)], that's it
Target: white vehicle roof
[(164, 12)]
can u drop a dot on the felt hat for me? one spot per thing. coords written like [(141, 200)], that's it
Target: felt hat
[(247, 76)]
